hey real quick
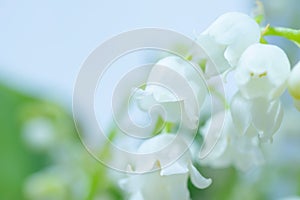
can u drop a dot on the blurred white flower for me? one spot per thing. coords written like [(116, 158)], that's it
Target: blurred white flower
[(294, 85), (164, 178), (232, 148), (260, 114), (39, 133), (57, 182), (177, 86), (226, 39), (262, 71)]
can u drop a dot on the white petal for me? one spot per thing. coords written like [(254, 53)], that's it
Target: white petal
[(162, 150), (218, 157), (212, 132), (165, 105), (230, 26), (173, 79), (216, 62), (197, 179), (175, 168), (156, 143), (226, 39), (266, 115), (262, 71), (144, 98), (186, 75), (240, 112)]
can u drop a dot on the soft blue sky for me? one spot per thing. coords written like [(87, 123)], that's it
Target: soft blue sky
[(44, 43)]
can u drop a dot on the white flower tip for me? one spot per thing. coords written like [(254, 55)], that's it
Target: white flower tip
[(175, 168), (197, 179)]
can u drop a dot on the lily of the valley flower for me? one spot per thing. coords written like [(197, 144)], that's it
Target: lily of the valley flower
[(262, 72), (294, 85), (261, 114), (169, 178), (177, 86), (232, 148), (226, 39)]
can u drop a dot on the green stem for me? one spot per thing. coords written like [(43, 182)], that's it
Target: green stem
[(288, 33)]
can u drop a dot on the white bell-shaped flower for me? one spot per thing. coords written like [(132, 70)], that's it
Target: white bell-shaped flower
[(232, 148), (178, 87), (225, 41), (294, 85), (262, 71), (166, 179), (263, 115)]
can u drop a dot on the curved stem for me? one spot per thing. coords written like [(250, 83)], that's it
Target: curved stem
[(288, 33)]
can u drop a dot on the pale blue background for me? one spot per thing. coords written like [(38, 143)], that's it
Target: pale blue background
[(44, 43)]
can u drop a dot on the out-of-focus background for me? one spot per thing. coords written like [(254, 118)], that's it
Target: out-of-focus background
[(42, 46)]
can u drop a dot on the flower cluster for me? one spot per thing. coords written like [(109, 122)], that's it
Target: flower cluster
[(262, 73)]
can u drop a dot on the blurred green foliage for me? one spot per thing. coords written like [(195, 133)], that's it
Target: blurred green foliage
[(17, 161), (61, 169)]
